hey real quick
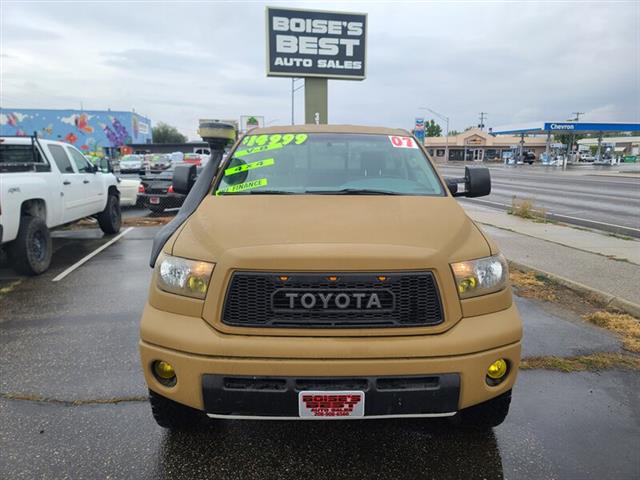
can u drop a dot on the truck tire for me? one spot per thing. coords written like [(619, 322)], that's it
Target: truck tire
[(30, 252), (110, 218), (172, 415), (484, 415)]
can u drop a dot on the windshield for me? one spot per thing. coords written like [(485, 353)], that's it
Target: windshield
[(329, 163)]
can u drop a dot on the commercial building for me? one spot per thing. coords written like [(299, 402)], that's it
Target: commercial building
[(477, 145), (188, 147), (92, 131), (625, 147)]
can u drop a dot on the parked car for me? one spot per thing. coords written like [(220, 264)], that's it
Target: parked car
[(202, 151), (45, 184), (129, 188), (194, 159), (587, 157), (334, 276), (131, 164), (156, 192), (159, 162)]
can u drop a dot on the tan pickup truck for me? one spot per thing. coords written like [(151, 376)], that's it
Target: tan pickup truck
[(327, 272)]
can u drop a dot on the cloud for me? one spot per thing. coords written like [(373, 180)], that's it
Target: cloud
[(177, 62)]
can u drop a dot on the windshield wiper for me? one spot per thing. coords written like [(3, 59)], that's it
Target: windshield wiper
[(270, 192), (352, 191), (258, 192)]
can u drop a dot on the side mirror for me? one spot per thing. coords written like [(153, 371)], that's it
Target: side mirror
[(184, 176), (477, 183)]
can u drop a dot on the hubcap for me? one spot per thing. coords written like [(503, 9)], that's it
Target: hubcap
[(38, 246)]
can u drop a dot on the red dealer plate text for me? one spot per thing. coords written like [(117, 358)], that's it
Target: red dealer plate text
[(330, 404)]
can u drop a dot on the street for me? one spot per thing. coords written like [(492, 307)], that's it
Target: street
[(72, 401), (578, 196)]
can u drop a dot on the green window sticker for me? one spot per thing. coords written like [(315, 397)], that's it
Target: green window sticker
[(267, 162), (254, 150), (243, 186), (276, 138)]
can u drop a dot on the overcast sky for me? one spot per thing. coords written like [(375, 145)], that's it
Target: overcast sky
[(180, 61)]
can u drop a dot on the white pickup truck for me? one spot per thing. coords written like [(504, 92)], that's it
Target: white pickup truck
[(45, 184)]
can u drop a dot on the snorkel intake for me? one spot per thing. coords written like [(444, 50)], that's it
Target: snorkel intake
[(187, 181)]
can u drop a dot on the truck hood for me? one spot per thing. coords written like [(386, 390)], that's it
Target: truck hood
[(315, 232)]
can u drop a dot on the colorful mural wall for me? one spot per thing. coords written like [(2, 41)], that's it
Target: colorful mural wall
[(89, 130)]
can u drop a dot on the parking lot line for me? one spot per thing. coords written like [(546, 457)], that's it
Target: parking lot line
[(91, 255)]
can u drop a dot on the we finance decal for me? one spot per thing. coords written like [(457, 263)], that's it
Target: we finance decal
[(316, 43)]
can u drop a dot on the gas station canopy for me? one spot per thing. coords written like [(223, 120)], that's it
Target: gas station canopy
[(553, 127)]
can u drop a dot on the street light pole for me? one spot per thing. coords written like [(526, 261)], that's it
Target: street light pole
[(446, 140), (294, 89)]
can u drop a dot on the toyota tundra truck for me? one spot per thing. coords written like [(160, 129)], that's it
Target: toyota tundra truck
[(327, 272), (45, 184)]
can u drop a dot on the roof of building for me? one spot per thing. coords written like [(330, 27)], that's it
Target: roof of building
[(594, 141), (477, 137), (567, 126)]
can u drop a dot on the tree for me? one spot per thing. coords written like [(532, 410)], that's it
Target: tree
[(164, 133), (432, 129), (453, 133)]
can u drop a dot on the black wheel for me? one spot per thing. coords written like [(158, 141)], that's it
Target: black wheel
[(173, 415), (30, 252), (110, 218), (156, 208), (485, 415)]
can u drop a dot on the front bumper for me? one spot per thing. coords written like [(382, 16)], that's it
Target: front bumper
[(466, 350), (277, 397)]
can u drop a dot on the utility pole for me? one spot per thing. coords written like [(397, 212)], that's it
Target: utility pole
[(294, 89), (483, 115), (577, 114)]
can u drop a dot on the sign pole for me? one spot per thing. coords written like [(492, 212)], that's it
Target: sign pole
[(316, 100)]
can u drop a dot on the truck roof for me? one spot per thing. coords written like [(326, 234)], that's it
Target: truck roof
[(312, 128), (26, 140)]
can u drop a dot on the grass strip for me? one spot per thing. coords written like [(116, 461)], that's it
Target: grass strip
[(593, 362)]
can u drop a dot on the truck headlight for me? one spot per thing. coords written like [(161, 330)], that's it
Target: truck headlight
[(183, 276), (481, 276)]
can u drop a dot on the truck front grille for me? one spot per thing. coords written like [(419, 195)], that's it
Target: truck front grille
[(332, 300)]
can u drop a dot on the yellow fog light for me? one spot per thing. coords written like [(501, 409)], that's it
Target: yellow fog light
[(164, 372), (497, 369)]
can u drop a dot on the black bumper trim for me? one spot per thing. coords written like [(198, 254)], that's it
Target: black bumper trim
[(278, 396)]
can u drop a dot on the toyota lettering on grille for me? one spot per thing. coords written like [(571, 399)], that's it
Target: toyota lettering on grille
[(332, 300)]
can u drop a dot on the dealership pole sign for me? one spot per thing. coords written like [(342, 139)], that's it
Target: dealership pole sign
[(305, 43)]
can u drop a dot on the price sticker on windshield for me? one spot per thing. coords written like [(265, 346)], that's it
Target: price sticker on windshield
[(402, 142)]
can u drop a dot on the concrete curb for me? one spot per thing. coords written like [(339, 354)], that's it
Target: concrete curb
[(606, 299)]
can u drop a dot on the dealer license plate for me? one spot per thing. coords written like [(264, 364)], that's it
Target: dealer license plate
[(330, 404), (154, 200)]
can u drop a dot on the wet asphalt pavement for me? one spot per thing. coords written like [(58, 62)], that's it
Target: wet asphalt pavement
[(76, 340)]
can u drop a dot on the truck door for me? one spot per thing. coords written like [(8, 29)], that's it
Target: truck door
[(71, 186), (91, 181)]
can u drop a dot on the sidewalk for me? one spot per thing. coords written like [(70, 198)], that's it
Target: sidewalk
[(585, 259)]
